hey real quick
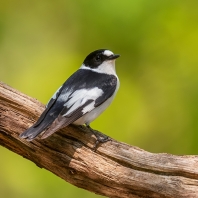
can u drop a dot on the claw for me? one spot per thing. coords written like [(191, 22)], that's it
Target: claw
[(99, 139)]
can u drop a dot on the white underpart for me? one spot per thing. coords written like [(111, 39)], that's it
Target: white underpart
[(80, 97), (107, 67), (93, 114), (108, 53)]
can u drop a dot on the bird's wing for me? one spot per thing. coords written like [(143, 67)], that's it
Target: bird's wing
[(84, 100), (54, 106)]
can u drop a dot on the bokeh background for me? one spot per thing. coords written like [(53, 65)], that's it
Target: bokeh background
[(42, 42)]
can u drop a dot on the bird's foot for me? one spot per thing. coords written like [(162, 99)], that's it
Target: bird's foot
[(99, 139)]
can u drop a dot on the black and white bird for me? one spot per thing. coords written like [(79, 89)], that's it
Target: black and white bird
[(82, 98)]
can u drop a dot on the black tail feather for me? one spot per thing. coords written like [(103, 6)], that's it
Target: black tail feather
[(35, 130), (45, 120)]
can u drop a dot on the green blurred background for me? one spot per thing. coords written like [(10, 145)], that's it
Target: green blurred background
[(43, 42)]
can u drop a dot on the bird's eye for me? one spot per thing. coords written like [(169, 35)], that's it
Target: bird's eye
[(98, 58)]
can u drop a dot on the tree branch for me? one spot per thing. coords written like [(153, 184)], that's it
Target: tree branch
[(114, 170)]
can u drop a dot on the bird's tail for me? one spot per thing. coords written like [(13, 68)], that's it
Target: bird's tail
[(35, 130)]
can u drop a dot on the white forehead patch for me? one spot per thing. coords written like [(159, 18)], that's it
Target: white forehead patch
[(108, 53)]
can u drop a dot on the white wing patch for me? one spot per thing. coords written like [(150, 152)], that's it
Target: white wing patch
[(88, 107), (80, 97)]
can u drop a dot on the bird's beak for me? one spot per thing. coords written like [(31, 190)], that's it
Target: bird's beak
[(114, 56)]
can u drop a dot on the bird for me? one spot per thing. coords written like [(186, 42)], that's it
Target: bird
[(82, 97)]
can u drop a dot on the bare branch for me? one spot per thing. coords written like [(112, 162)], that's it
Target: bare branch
[(114, 170)]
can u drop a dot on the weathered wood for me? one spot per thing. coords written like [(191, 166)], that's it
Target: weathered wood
[(114, 170)]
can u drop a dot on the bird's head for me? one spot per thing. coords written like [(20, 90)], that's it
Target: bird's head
[(102, 61)]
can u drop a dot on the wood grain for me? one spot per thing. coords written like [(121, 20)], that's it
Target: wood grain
[(114, 170)]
